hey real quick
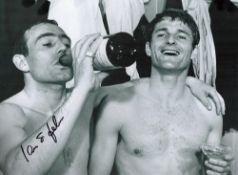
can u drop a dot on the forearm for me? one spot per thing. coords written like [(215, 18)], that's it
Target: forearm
[(37, 153)]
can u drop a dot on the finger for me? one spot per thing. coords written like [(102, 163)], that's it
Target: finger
[(78, 45), (210, 172), (215, 169), (200, 93), (89, 50), (80, 49), (82, 45), (218, 166), (76, 49), (213, 95), (217, 162), (87, 44), (223, 105), (206, 102), (229, 158), (82, 60), (95, 45)]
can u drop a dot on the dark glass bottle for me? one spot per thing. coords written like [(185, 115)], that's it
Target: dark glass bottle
[(116, 51)]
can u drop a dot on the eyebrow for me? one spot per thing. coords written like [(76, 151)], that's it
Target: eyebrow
[(160, 29), (183, 31), (165, 29), (48, 34)]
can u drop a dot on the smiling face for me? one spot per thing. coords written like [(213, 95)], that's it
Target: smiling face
[(171, 45), (49, 54)]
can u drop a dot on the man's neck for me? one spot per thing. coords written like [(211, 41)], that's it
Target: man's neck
[(169, 87), (46, 98)]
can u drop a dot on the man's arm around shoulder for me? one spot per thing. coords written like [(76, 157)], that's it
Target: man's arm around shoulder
[(216, 165), (216, 125)]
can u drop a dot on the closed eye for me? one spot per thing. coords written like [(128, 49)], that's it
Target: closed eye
[(48, 44), (160, 35), (182, 37), (67, 45)]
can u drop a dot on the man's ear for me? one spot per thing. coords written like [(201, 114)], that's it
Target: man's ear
[(147, 49), (20, 62)]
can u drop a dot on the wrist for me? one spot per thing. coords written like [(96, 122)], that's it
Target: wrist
[(81, 90)]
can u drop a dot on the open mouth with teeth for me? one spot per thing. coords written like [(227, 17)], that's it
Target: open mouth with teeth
[(170, 52)]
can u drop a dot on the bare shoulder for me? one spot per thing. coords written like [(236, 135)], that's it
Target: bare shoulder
[(11, 109), (121, 94), (113, 91), (210, 116), (113, 105), (12, 122), (11, 114)]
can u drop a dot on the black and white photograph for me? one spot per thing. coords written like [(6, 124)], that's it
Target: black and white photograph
[(118, 87)]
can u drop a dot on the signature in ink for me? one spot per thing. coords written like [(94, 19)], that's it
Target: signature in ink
[(30, 149), (40, 137), (53, 128)]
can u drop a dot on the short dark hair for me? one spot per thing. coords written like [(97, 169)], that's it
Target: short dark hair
[(21, 43), (175, 14)]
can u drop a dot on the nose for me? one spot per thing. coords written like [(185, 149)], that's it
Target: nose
[(170, 39), (61, 47)]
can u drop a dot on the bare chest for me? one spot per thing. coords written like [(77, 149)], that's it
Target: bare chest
[(158, 131)]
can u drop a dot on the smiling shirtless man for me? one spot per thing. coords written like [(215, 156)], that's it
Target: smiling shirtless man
[(157, 126)]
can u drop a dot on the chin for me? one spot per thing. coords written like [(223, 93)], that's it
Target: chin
[(67, 74), (168, 65), (64, 78), (68, 78)]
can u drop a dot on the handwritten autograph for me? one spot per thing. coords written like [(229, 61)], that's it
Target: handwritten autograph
[(52, 129), (30, 149)]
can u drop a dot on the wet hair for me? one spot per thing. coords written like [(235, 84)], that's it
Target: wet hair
[(174, 14), (21, 43)]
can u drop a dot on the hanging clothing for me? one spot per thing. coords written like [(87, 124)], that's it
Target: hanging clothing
[(77, 17), (81, 17), (124, 15), (204, 61)]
